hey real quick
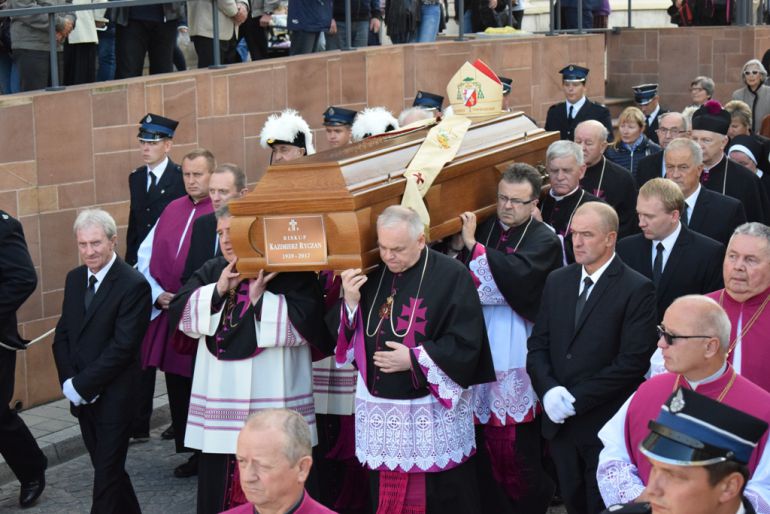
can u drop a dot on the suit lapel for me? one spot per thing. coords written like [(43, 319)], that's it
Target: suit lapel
[(680, 247), (101, 293), (77, 309), (698, 212), (646, 257), (599, 289)]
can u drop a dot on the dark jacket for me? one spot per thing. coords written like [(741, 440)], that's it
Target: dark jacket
[(17, 278), (693, 267), (360, 10), (556, 119), (622, 156), (172, 12), (716, 215), (310, 15)]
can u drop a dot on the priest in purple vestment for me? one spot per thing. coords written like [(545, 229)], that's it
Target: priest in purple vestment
[(274, 460), (162, 258), (694, 338)]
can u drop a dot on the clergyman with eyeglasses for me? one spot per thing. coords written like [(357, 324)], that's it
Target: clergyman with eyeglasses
[(695, 340)]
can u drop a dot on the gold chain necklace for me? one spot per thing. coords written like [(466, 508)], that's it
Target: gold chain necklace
[(748, 325), (388, 310)]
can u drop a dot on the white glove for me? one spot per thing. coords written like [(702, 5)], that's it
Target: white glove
[(557, 403), (72, 395)]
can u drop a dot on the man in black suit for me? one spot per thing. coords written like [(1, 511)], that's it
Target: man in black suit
[(647, 100), (227, 182), (589, 350), (706, 212), (564, 116), (105, 312), (710, 124), (17, 446), (671, 125), (605, 179), (677, 260), (153, 185)]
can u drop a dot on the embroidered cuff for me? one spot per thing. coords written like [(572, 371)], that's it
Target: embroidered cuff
[(489, 294), (446, 390), (619, 482)]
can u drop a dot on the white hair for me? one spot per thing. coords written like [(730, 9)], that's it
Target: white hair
[(96, 218), (397, 214), (413, 114)]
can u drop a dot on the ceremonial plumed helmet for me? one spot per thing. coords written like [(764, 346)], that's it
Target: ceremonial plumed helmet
[(287, 128), (373, 121)]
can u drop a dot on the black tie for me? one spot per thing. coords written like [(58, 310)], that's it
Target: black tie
[(90, 291), (657, 267), (581, 301), (571, 107), (153, 182), (685, 217)]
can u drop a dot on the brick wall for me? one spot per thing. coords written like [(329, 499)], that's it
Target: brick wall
[(673, 57)]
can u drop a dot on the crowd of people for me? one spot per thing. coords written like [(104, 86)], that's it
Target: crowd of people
[(598, 341)]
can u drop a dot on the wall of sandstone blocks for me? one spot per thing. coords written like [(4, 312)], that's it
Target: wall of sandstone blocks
[(65, 151)]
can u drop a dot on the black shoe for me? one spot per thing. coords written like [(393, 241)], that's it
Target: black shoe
[(31, 491), (189, 468), (168, 433)]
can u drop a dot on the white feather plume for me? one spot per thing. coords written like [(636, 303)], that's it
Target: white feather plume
[(371, 122), (285, 127)]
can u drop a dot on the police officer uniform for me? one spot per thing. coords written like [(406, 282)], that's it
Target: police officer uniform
[(149, 198), (558, 117), (644, 94)]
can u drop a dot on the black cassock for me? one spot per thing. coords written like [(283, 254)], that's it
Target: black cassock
[(520, 259), (731, 179), (433, 305), (615, 185), (559, 214)]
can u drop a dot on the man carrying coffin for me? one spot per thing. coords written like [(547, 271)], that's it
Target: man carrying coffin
[(510, 256), (693, 361), (415, 329), (253, 353)]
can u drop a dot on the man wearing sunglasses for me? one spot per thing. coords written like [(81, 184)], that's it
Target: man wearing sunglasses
[(694, 338)]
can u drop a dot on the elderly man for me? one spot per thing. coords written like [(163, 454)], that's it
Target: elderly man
[(105, 312), (416, 332), (589, 350), (623, 470), (565, 167), (274, 462), (746, 273), (162, 257), (710, 124), (671, 125), (253, 353), (510, 256), (565, 116), (287, 135), (605, 179), (705, 211), (676, 259), (699, 453)]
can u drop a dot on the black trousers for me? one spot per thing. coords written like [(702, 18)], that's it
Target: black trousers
[(215, 475), (256, 38), (34, 68), (179, 389), (204, 47), (140, 38), (303, 42), (144, 397), (79, 63), (107, 445), (576, 457), (17, 446)]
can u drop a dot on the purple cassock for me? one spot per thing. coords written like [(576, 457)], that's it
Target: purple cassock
[(170, 245)]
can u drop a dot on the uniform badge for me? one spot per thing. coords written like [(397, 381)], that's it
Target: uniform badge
[(571, 68), (677, 402), (331, 111), (148, 119)]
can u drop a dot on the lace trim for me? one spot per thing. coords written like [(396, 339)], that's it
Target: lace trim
[(446, 390), (619, 482), (759, 503), (413, 436), (511, 399), (489, 294)]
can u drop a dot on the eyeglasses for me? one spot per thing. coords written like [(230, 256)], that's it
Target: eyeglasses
[(751, 72), (669, 337), (672, 131), (513, 201)]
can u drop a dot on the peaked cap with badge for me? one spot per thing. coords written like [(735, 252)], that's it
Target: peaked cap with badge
[(429, 101), (574, 73), (645, 93), (287, 128), (154, 127), (337, 116)]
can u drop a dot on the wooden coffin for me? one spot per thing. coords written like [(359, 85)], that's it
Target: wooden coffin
[(320, 212)]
